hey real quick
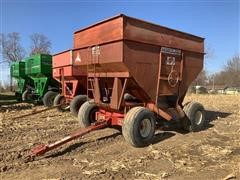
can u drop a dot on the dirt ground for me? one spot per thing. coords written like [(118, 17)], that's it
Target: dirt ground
[(210, 154)]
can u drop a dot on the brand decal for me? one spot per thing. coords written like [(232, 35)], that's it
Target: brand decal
[(171, 51), (78, 58), (96, 50)]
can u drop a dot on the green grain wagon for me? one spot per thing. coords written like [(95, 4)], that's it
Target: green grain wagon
[(17, 71), (39, 69)]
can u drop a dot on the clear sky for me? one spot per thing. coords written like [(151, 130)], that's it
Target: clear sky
[(217, 21)]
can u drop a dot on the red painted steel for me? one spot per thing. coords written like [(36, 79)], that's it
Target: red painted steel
[(151, 64), (71, 75), (104, 119), (42, 149), (157, 63), (114, 119), (129, 45)]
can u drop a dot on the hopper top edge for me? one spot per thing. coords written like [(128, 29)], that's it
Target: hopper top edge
[(154, 24)]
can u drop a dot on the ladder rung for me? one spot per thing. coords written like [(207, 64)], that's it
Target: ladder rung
[(163, 78)]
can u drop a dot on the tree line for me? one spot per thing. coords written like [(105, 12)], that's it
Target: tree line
[(229, 76), (12, 50)]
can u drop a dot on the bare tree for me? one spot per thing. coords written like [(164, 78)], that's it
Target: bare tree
[(39, 44), (230, 75), (209, 51), (11, 49), (232, 71), (202, 79)]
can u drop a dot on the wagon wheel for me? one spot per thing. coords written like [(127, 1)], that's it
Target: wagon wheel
[(87, 114), (173, 78), (76, 103), (26, 96), (48, 98), (60, 100), (195, 119), (139, 126)]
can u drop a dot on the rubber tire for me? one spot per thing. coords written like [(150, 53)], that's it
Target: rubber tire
[(188, 122), (129, 97), (131, 123), (76, 103), (25, 96), (57, 101), (48, 98), (86, 114)]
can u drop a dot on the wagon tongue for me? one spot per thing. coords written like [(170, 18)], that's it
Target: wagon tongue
[(39, 150), (42, 148)]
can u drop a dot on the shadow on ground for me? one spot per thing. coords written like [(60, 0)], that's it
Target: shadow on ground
[(215, 115), (7, 96), (7, 99), (15, 107), (8, 102), (210, 116), (161, 136)]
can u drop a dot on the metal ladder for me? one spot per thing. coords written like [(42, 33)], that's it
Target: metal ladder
[(160, 77), (91, 80)]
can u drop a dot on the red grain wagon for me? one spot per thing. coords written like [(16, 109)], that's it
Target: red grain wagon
[(138, 74), (73, 80)]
